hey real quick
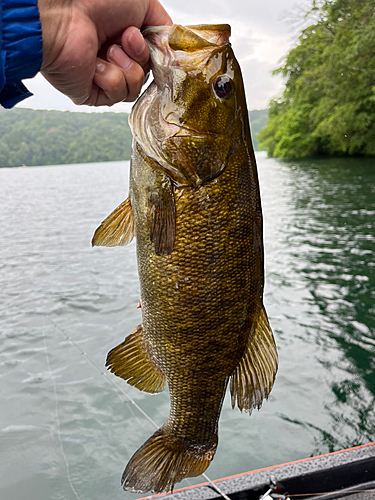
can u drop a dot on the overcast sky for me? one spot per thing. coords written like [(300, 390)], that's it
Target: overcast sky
[(261, 36)]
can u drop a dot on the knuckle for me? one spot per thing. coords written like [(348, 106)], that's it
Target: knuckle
[(135, 83), (118, 84)]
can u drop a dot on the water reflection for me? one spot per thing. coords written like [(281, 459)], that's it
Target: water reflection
[(332, 247)]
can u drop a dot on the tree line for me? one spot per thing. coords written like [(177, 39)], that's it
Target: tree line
[(328, 104), (38, 137)]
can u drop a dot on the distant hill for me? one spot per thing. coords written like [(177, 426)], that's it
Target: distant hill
[(39, 137)]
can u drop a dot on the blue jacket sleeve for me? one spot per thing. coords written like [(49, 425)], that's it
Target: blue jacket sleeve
[(21, 48)]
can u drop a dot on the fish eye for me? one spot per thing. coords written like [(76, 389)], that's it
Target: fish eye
[(223, 86)]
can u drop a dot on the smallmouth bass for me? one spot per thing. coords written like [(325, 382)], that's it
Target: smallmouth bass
[(194, 207)]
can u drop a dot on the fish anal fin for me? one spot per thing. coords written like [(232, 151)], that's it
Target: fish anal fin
[(252, 380), (163, 461), (117, 229), (131, 361), (161, 215)]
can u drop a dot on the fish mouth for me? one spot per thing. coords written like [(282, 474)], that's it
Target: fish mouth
[(185, 149), (190, 38), (177, 51), (152, 30), (183, 45)]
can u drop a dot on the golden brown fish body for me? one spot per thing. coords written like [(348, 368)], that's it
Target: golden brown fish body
[(195, 208)]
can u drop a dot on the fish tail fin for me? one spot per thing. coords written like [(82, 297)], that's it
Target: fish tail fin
[(163, 461), (252, 380)]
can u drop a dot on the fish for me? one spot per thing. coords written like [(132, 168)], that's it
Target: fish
[(194, 208)]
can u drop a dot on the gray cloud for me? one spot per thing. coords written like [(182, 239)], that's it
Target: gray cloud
[(266, 16)]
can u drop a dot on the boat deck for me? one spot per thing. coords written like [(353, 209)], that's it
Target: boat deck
[(334, 476), (358, 492), (366, 495)]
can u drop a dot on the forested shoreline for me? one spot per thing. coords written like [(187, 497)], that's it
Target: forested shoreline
[(328, 105), (39, 137)]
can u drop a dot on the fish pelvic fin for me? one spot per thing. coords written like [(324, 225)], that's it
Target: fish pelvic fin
[(131, 361), (252, 380), (163, 461), (117, 229)]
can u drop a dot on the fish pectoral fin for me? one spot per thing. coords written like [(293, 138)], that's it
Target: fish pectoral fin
[(161, 215), (252, 380), (117, 229), (131, 361)]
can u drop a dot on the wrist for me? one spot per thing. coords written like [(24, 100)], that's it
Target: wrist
[(55, 18)]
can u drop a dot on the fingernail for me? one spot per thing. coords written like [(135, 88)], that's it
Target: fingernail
[(118, 57), (100, 67), (137, 42)]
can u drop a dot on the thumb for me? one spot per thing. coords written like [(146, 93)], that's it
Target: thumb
[(156, 15)]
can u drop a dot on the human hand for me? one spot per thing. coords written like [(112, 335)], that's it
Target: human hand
[(93, 51)]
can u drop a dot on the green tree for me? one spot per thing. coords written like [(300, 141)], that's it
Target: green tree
[(258, 120), (53, 137), (4, 154), (328, 104)]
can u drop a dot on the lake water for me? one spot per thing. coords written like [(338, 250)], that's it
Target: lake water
[(66, 432)]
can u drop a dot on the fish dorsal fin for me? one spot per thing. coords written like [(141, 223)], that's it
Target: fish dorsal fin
[(117, 229), (131, 361), (253, 378), (161, 215)]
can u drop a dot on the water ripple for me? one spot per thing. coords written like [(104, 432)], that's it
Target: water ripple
[(71, 433)]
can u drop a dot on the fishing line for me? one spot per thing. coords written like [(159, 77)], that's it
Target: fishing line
[(58, 418), (216, 488), (113, 381), (102, 372)]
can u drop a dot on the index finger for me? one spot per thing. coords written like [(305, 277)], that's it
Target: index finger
[(135, 46)]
